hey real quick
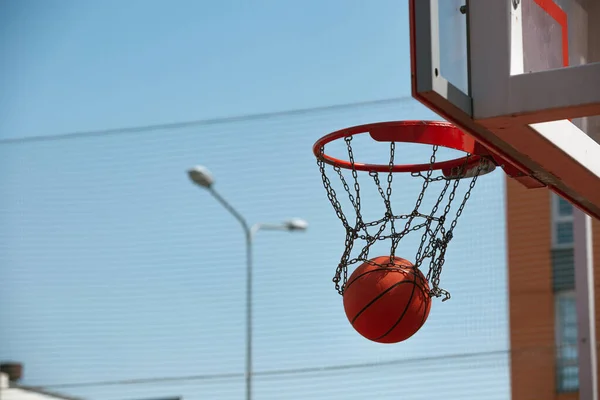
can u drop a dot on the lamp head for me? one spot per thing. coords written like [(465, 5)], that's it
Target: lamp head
[(201, 176), (296, 224)]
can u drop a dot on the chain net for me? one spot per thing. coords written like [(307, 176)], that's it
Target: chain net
[(434, 225)]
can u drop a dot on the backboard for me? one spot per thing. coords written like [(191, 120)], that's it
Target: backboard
[(523, 78)]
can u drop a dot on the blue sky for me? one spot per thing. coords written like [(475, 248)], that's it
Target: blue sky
[(86, 65), (119, 269)]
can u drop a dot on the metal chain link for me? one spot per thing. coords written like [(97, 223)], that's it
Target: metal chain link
[(435, 237)]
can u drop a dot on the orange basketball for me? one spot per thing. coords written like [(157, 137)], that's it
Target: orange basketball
[(387, 304)]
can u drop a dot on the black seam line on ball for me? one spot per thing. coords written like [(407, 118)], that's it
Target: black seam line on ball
[(380, 295), (412, 293)]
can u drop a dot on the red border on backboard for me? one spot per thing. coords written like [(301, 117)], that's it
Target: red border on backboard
[(561, 17)]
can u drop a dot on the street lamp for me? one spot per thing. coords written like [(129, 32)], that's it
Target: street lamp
[(202, 177)]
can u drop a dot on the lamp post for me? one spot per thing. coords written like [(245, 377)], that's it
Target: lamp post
[(202, 177)]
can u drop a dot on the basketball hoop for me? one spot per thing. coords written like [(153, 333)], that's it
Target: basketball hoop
[(435, 235)]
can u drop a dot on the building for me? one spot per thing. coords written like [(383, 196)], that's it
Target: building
[(11, 373), (10, 390), (543, 321)]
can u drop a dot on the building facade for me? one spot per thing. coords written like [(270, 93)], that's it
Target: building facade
[(543, 319), (11, 391)]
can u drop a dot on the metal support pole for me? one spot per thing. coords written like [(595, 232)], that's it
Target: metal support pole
[(202, 177), (248, 234), (248, 371), (585, 298)]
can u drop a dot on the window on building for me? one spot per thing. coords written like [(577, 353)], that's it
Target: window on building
[(562, 222), (566, 343), (567, 364)]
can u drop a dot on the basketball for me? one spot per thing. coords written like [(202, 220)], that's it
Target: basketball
[(387, 303)]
